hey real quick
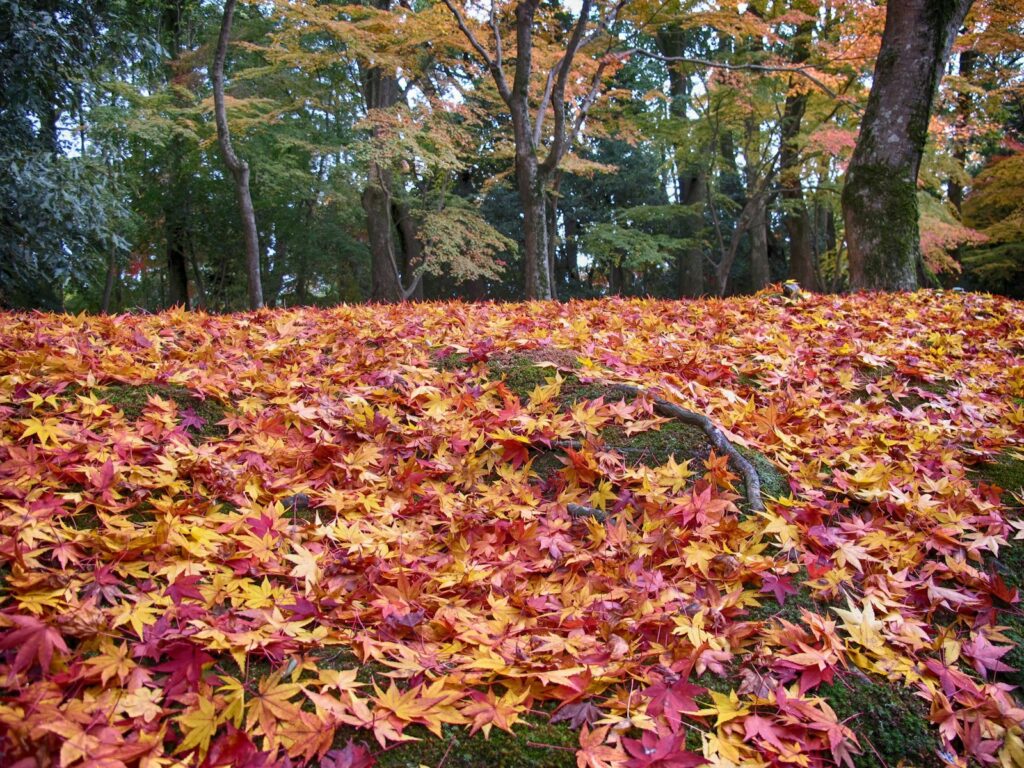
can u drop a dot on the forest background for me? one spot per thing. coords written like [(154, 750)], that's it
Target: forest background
[(421, 149)]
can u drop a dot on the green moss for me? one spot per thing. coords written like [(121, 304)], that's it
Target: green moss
[(521, 375), (452, 361), (887, 718), (546, 465), (773, 482), (132, 401), (1006, 471), (535, 742), (653, 447), (790, 611), (1015, 632)]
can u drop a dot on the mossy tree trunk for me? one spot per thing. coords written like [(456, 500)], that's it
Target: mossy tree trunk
[(880, 196)]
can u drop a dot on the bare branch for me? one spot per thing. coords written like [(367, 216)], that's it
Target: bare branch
[(796, 70), (496, 71), (558, 92)]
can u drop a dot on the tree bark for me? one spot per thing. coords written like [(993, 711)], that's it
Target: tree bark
[(176, 195), (880, 195), (760, 272), (238, 167), (108, 284), (690, 263)]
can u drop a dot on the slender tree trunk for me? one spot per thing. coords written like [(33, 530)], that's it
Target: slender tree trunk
[(571, 248), (691, 182), (111, 279), (412, 249), (968, 61), (239, 168), (797, 220), (880, 196), (176, 195), (176, 233), (552, 234)]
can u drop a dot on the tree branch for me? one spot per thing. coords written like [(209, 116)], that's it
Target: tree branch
[(496, 70), (796, 70)]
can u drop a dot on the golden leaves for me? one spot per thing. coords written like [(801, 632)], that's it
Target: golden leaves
[(379, 540)]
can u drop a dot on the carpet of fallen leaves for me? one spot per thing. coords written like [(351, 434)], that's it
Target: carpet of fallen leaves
[(174, 594)]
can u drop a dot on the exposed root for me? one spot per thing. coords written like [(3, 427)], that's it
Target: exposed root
[(715, 437)]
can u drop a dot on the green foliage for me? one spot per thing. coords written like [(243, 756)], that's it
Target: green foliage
[(459, 242), (996, 207)]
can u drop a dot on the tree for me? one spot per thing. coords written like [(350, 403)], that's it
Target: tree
[(880, 205), (535, 174), (239, 168)]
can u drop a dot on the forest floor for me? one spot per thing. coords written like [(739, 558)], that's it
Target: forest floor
[(354, 536)]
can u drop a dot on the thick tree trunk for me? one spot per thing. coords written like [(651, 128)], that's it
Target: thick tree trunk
[(760, 273), (175, 231), (380, 91), (238, 167), (385, 280), (880, 196), (535, 228), (690, 262), (551, 222)]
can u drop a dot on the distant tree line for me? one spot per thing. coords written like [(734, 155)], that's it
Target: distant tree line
[(223, 155)]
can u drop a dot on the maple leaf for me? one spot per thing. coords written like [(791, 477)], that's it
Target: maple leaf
[(198, 726), (353, 755), (577, 714), (47, 431), (487, 710), (652, 750), (673, 700), (35, 640), (306, 567), (594, 753), (862, 625), (984, 656), (780, 586)]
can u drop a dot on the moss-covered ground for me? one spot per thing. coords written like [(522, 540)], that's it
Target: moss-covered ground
[(132, 400)]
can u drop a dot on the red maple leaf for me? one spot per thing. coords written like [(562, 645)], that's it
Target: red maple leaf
[(35, 641)]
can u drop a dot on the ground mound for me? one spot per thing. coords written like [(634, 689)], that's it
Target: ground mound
[(456, 535)]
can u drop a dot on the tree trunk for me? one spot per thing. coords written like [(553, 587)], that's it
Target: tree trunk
[(690, 262), (238, 167), (176, 232), (412, 248), (880, 195), (760, 273), (111, 279), (968, 61), (380, 91), (535, 228), (797, 220), (385, 280), (176, 195), (571, 249), (551, 222)]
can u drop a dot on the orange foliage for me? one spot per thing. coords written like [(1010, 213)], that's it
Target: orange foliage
[(363, 497)]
